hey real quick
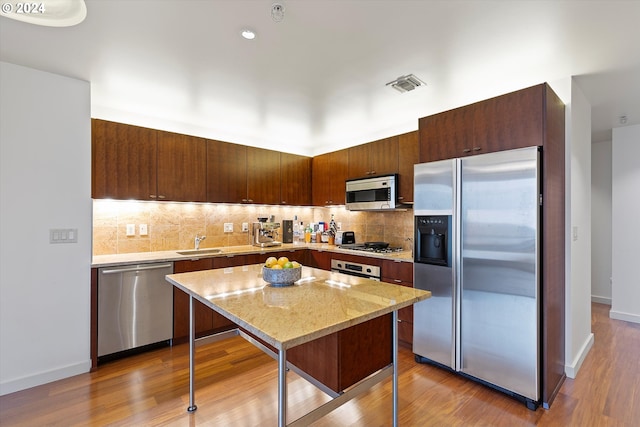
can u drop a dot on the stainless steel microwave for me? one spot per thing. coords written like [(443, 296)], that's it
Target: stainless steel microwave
[(371, 194)]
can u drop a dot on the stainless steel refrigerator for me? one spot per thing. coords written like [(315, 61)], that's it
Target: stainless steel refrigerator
[(477, 250)]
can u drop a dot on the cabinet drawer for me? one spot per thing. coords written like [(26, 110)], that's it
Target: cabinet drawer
[(397, 272)]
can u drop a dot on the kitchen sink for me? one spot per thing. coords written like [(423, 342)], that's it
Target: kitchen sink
[(201, 252)]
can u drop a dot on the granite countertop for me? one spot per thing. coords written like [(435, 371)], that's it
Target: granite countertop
[(167, 256), (320, 303)]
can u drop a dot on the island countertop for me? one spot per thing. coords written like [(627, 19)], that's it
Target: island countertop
[(320, 303)]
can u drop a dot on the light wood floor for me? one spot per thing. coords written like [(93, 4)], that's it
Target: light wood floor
[(237, 386)]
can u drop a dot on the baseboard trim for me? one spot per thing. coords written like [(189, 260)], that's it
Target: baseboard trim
[(45, 377), (601, 300), (627, 317), (572, 370)]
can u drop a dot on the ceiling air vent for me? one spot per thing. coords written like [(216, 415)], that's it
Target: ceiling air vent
[(406, 83)]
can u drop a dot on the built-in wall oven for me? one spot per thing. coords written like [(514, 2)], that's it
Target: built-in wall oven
[(356, 269)]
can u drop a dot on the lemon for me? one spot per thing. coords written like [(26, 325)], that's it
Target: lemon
[(277, 267), (271, 261), (295, 264), (283, 260), (288, 265)]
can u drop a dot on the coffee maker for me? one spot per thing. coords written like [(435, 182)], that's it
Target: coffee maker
[(265, 233)]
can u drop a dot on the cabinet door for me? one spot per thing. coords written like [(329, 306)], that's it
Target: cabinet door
[(263, 176), (226, 172), (446, 135), (320, 259), (123, 161), (509, 121), (359, 164), (401, 273), (375, 158), (182, 167), (408, 155), (238, 260), (329, 172), (383, 156), (203, 314), (338, 173), (321, 179), (295, 179)]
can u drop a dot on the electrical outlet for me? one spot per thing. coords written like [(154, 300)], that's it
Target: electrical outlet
[(339, 225), (131, 229), (143, 230), (245, 226), (228, 227)]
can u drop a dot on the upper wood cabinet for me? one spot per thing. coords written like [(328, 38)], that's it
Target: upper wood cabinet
[(374, 159), (182, 167), (328, 175), (123, 161), (408, 155), (131, 162), (263, 176), (513, 120), (295, 179), (226, 172)]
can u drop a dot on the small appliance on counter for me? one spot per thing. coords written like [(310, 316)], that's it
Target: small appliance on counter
[(345, 237), (287, 231), (264, 234)]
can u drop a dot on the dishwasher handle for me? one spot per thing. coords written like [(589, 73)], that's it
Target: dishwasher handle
[(136, 268)]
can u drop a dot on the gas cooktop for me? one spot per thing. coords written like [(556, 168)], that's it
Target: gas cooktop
[(376, 247)]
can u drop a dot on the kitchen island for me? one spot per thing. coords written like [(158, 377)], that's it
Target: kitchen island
[(319, 304)]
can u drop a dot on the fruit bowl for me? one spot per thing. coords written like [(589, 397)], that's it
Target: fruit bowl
[(281, 277)]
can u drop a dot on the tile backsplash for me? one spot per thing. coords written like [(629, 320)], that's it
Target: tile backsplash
[(173, 226)]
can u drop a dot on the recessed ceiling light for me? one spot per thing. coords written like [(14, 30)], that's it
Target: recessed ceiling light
[(248, 34)]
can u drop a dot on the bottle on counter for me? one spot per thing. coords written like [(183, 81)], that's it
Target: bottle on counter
[(307, 233), (296, 229)]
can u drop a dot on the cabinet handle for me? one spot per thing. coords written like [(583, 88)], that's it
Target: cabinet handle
[(284, 202), (244, 200), (373, 172), (477, 148), (250, 200), (162, 197), (152, 196), (466, 150), (400, 198)]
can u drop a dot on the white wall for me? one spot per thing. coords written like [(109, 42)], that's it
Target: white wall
[(45, 183), (601, 222), (625, 304), (578, 291)]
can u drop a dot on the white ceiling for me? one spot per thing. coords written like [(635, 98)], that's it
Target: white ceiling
[(315, 82)]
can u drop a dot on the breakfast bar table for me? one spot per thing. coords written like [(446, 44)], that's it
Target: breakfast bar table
[(319, 304)]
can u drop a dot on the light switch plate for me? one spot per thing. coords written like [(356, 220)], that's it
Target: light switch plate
[(228, 227), (245, 226), (63, 235), (143, 230), (131, 229)]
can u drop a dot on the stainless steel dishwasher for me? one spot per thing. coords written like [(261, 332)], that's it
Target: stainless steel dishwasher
[(135, 306)]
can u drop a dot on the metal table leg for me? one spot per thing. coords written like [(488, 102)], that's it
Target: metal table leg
[(282, 388), (394, 345), (192, 350)]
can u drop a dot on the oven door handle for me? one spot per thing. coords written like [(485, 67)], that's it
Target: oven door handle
[(352, 273)]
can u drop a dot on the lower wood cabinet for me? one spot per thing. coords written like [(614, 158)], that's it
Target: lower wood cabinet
[(207, 321), (401, 273), (342, 359)]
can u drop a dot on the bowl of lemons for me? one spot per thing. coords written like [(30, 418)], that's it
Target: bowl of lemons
[(281, 271)]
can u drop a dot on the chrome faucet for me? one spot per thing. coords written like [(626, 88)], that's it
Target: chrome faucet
[(198, 240)]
